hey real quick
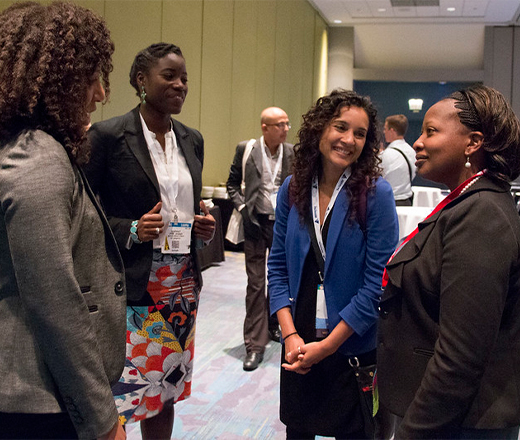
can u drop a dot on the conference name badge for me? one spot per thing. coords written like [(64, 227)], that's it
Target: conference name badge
[(177, 238), (322, 322)]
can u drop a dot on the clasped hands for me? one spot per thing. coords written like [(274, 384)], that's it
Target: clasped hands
[(300, 356), (151, 224)]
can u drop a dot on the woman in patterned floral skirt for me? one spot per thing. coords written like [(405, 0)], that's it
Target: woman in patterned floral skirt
[(146, 167)]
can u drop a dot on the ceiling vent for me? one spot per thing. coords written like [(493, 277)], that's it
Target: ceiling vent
[(401, 3)]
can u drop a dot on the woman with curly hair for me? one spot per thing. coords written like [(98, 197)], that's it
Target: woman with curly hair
[(449, 337), (335, 229), (62, 288)]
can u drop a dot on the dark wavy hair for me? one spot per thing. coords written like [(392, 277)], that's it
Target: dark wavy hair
[(486, 110), (148, 57), (47, 56), (307, 156)]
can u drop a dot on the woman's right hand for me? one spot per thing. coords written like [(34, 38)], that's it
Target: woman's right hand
[(116, 433), (151, 224), (291, 347), (293, 355)]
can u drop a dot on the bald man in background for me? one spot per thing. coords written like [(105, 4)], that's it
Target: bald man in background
[(268, 164)]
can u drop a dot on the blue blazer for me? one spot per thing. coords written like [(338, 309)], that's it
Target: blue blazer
[(353, 267)]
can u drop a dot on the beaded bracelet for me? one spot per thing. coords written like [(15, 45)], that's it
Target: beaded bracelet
[(133, 232), (290, 334)]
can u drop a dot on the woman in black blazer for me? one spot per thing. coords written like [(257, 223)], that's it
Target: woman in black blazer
[(449, 333), (146, 167)]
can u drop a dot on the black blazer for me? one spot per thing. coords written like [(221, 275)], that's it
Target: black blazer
[(121, 173), (449, 333)]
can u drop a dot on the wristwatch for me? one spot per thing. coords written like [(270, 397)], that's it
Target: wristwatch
[(133, 232)]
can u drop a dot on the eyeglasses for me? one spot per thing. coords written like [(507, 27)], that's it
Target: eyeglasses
[(281, 125)]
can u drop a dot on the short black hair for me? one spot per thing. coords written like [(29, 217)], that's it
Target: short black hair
[(147, 58)]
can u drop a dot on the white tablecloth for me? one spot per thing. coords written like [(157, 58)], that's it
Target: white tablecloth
[(424, 196), (409, 217)]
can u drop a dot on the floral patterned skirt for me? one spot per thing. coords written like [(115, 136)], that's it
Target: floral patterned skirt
[(160, 340)]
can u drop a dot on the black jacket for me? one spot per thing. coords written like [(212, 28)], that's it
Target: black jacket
[(121, 172), (449, 333)]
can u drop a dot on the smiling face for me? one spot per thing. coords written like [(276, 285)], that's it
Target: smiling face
[(166, 85), (441, 149), (343, 140)]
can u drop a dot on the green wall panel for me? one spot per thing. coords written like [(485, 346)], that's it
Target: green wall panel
[(217, 70), (134, 25), (241, 55), (182, 25)]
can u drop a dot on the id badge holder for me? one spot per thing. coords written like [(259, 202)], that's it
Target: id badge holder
[(177, 238), (273, 197), (322, 329)]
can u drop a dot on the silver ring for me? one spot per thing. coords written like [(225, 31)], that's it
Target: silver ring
[(157, 230), (299, 350)]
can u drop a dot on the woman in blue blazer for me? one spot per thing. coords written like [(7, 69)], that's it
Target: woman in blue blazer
[(335, 210)]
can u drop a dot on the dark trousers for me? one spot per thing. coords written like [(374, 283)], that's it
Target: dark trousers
[(292, 434), (258, 319), (36, 426)]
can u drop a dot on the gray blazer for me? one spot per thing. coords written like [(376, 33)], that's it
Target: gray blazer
[(62, 289), (253, 176)]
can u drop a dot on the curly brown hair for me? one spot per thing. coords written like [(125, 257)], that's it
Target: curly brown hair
[(307, 156), (48, 53)]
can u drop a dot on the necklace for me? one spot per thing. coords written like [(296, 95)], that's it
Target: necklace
[(471, 182)]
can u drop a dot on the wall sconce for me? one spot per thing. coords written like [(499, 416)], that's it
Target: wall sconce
[(415, 104)]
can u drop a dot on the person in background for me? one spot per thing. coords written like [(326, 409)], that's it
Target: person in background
[(398, 159), (146, 168), (336, 226), (449, 333), (268, 164), (62, 287)]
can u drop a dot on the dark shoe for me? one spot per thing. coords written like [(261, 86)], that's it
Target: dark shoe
[(252, 360), (275, 335)]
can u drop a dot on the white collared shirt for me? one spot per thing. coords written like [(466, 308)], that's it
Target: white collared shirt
[(173, 175), (395, 168), (268, 187)]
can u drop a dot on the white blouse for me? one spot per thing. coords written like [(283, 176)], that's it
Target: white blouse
[(173, 176)]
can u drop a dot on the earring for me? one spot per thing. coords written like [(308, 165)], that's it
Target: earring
[(143, 95), (467, 164)]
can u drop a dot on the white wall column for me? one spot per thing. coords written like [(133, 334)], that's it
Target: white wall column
[(341, 58)]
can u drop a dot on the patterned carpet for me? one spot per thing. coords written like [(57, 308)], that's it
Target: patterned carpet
[(227, 403)]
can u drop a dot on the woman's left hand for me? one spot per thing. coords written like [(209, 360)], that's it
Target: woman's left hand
[(204, 225)]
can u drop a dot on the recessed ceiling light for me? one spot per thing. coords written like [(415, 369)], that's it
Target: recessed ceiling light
[(381, 10), (338, 21), (450, 9)]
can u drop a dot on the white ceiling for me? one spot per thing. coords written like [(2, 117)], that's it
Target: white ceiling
[(353, 12)]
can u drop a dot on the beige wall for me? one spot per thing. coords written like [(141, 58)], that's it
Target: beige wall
[(241, 56)]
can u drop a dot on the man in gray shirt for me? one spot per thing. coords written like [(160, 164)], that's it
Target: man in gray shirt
[(268, 163)]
